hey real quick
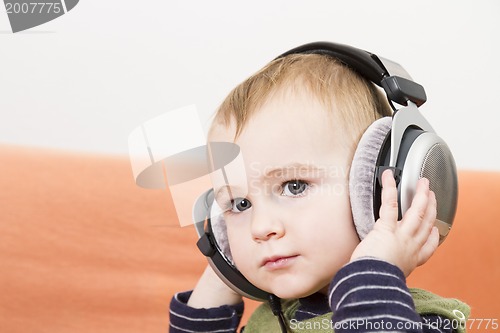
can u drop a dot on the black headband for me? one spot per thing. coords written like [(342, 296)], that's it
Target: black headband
[(399, 88)]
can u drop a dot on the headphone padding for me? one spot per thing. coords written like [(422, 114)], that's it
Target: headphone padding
[(220, 231), (362, 175)]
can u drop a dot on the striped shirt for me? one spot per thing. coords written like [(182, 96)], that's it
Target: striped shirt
[(367, 295)]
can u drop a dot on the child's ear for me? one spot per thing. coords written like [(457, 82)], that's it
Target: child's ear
[(362, 174)]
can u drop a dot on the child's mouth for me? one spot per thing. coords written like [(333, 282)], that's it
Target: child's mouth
[(278, 262)]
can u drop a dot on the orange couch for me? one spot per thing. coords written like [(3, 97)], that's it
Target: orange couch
[(82, 249)]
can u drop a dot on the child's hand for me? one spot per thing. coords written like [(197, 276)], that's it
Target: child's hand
[(211, 292), (407, 243)]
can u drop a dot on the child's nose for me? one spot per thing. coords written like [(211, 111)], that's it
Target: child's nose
[(266, 224)]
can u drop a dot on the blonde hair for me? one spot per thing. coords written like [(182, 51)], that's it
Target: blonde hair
[(356, 100)]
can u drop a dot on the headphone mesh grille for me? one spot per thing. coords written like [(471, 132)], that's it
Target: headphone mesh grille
[(439, 167)]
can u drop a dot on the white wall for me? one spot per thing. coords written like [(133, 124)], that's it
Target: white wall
[(85, 80)]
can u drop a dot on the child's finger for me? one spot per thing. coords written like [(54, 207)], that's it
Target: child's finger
[(429, 247), (424, 230), (418, 210), (389, 206), (429, 217)]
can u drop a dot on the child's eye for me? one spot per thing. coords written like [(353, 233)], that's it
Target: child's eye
[(240, 204), (294, 188)]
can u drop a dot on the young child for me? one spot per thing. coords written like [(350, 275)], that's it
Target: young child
[(297, 122)]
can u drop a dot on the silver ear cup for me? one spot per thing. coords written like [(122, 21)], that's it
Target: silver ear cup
[(362, 175), (430, 157)]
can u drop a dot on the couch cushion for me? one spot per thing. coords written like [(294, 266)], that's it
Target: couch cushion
[(82, 249)]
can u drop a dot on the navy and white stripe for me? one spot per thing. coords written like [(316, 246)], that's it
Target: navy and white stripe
[(312, 306), (183, 318), (371, 291)]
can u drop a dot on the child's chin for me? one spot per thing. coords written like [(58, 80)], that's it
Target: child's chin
[(293, 292)]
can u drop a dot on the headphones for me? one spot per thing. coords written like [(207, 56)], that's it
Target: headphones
[(404, 143)]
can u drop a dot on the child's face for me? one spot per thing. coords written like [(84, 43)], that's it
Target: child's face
[(294, 230)]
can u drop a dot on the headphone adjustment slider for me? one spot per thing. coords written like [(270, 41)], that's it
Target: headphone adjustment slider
[(401, 90), (206, 246)]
